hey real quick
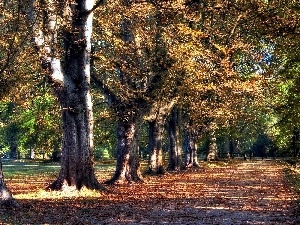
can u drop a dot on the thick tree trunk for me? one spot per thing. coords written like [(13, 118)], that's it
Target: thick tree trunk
[(175, 151), (190, 149), (71, 83), (155, 148), (6, 198), (156, 120), (77, 166), (128, 165)]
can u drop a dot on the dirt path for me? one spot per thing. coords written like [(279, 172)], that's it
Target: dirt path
[(241, 193)]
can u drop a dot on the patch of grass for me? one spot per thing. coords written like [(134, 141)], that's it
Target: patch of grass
[(23, 168)]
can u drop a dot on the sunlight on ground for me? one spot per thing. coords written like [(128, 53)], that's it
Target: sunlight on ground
[(236, 193), (66, 193)]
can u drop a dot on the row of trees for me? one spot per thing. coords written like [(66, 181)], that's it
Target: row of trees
[(200, 68)]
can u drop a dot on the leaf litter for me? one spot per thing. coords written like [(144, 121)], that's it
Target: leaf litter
[(245, 192)]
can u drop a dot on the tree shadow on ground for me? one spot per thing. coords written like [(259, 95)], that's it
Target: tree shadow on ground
[(241, 193), (150, 211)]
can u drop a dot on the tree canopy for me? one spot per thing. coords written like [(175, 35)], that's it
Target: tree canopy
[(229, 69)]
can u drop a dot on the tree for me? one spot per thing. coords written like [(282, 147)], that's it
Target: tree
[(174, 132), (156, 120), (56, 23), (12, 41), (134, 78), (191, 135)]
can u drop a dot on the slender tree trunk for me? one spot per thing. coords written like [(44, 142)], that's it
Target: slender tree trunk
[(175, 151), (212, 153), (13, 141), (6, 197), (190, 148), (226, 148), (31, 153), (231, 148), (128, 166), (295, 142)]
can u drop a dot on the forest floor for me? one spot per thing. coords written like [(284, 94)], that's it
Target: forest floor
[(243, 192)]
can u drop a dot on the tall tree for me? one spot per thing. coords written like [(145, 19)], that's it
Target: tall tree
[(68, 70), (157, 121), (135, 81), (174, 132), (12, 41), (191, 136)]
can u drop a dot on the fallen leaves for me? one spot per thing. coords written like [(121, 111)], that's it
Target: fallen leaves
[(241, 193)]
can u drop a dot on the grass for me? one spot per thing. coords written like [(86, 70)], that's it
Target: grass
[(22, 168)]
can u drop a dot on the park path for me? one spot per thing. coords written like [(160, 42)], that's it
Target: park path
[(252, 192), (235, 193)]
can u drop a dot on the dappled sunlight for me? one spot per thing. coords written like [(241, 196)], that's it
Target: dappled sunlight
[(66, 193), (238, 193)]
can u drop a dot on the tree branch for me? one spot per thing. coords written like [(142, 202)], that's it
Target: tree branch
[(104, 89), (97, 4)]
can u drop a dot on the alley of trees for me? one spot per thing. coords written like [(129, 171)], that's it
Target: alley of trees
[(162, 81)]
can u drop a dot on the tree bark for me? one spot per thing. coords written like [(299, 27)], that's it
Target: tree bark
[(212, 153), (190, 148), (175, 151), (71, 83), (155, 148), (128, 166), (156, 120), (295, 142), (6, 198)]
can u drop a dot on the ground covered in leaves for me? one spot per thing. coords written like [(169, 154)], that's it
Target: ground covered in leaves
[(245, 192)]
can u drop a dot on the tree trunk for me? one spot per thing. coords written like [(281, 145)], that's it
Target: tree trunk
[(128, 166), (190, 148), (155, 148), (6, 198), (212, 153), (31, 153), (77, 166), (156, 120), (175, 151), (226, 148), (295, 142), (71, 83), (12, 135)]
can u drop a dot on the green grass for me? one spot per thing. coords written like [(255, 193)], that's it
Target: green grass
[(23, 168), (16, 168)]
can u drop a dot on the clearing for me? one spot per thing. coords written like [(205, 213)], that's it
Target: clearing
[(243, 192)]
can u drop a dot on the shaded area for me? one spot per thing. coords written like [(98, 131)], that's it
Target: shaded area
[(234, 193)]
